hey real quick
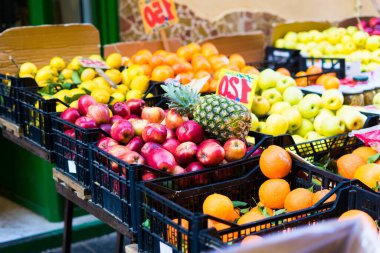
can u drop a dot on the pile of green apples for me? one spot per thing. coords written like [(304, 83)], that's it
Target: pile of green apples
[(336, 42), (279, 107)]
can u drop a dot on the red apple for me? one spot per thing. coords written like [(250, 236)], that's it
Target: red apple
[(178, 170), (99, 112), (106, 142), (161, 159), (197, 179), (190, 131), (84, 102), (186, 152), (148, 147), (70, 115), (115, 118), (173, 119), (138, 125), (135, 144), (106, 128), (210, 154), (171, 145), (117, 151), (86, 122), (135, 106), (373, 21), (148, 176), (234, 149), (70, 132), (122, 131), (121, 109), (154, 132), (153, 114), (257, 152), (209, 141), (171, 134), (133, 157), (132, 116)]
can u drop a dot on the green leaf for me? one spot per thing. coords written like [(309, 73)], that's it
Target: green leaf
[(87, 91), (311, 189), (373, 158), (239, 203), (279, 211), (245, 210), (229, 243), (146, 223), (75, 77), (316, 182), (66, 86), (265, 212)]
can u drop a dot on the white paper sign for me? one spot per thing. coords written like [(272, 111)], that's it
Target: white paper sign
[(165, 248), (72, 166), (353, 68)]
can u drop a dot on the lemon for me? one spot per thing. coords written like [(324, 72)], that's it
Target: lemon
[(76, 94), (96, 57), (47, 97), (63, 95), (58, 63), (135, 70), (87, 74), (122, 88), (134, 94), (74, 104), (88, 86), (117, 97), (44, 77), (74, 64), (114, 60), (140, 83), (149, 95), (68, 81), (106, 87), (67, 73), (114, 75), (54, 71), (100, 81), (111, 113), (28, 69), (100, 95), (125, 77), (60, 107)]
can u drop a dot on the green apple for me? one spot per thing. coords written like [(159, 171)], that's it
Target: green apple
[(332, 125), (259, 127), (346, 38), (290, 44), (338, 49), (344, 110), (308, 108), (304, 37), (351, 30), (376, 99), (280, 43), (316, 36), (311, 45), (352, 119), (332, 99), (312, 135), (341, 31), (366, 56), (334, 37), (276, 124), (326, 111), (284, 82), (268, 79), (348, 47), (254, 119), (294, 119), (375, 56), (298, 139), (360, 38), (373, 43), (306, 126), (328, 49), (292, 95), (260, 106), (279, 107), (314, 97), (272, 95), (356, 56), (291, 36), (301, 46)]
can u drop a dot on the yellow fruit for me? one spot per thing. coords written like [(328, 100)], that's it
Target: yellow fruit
[(100, 95), (44, 77), (134, 94), (135, 70), (96, 57), (53, 70), (88, 86), (117, 97), (87, 74), (67, 73), (74, 104), (140, 83), (74, 64), (60, 107), (114, 60), (149, 95), (58, 63), (125, 77), (76, 93), (122, 88), (63, 95), (105, 86), (114, 75), (110, 112), (28, 69)]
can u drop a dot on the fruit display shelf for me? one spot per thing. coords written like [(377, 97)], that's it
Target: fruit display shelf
[(350, 197), (164, 203)]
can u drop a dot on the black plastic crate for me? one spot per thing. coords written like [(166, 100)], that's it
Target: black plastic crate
[(160, 201), (72, 155), (328, 65), (282, 58), (9, 99), (348, 198)]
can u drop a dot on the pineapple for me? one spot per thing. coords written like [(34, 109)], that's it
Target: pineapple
[(220, 117)]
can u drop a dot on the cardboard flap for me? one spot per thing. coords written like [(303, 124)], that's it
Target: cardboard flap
[(280, 29), (130, 48), (250, 46), (38, 44)]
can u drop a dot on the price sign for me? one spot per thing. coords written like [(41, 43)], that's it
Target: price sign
[(157, 14), (96, 64), (237, 86)]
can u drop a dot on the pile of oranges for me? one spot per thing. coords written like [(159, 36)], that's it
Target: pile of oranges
[(328, 81), (189, 62)]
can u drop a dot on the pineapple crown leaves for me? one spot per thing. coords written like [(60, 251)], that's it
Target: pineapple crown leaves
[(182, 97)]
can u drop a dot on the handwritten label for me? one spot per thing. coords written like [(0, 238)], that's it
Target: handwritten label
[(72, 166), (237, 86), (157, 14), (96, 64)]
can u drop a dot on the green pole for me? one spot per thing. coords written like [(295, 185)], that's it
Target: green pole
[(40, 12)]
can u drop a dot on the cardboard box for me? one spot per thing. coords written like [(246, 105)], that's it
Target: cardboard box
[(38, 44), (130, 48), (280, 29), (353, 21), (250, 46)]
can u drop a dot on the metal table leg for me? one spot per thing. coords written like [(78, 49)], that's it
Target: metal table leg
[(68, 225)]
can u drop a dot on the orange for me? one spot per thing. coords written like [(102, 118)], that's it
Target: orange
[(201, 64), (348, 164), (161, 73), (194, 48), (157, 60), (237, 60), (160, 52), (186, 78), (208, 49), (272, 193), (172, 232), (232, 67), (262, 207), (250, 70), (364, 152), (275, 162), (171, 58), (184, 53), (321, 78), (283, 71), (217, 62), (213, 86), (302, 82), (369, 174), (299, 198), (147, 69), (331, 82), (313, 70), (320, 194), (179, 68), (145, 51), (357, 214), (219, 206), (250, 217), (250, 239), (141, 59)]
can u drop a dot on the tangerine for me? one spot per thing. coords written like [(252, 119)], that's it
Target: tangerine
[(364, 152), (275, 162), (171, 59), (179, 68), (237, 60), (331, 82), (321, 78), (147, 69), (320, 194), (369, 174), (213, 86), (201, 64), (160, 52), (145, 51), (141, 59), (194, 48), (313, 70), (208, 49), (283, 71), (250, 70), (219, 206), (250, 239), (161, 73), (357, 214), (157, 60), (348, 164), (272, 193), (184, 53), (302, 81), (299, 198)]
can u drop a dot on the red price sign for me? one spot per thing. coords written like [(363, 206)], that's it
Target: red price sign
[(96, 64), (237, 86), (157, 14)]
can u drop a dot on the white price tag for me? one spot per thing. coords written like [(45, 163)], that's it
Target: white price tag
[(165, 248), (72, 166), (353, 68)]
